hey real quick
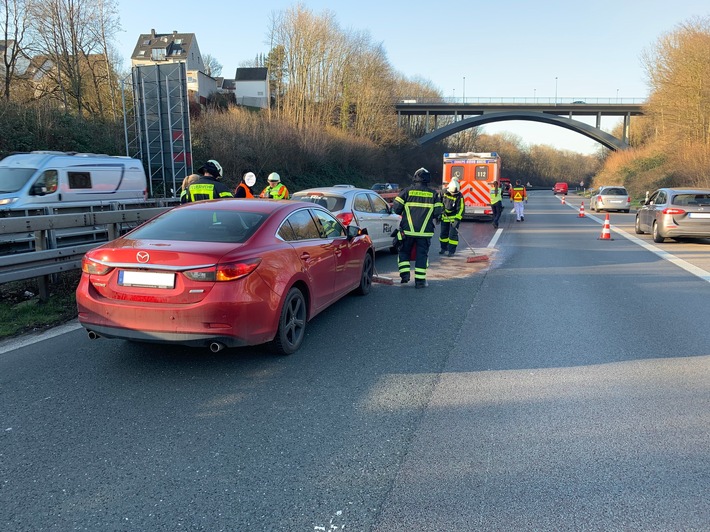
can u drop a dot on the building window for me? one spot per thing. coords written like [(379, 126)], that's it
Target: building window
[(158, 54)]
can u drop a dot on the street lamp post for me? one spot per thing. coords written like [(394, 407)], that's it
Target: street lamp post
[(464, 89), (535, 95), (617, 95), (555, 90)]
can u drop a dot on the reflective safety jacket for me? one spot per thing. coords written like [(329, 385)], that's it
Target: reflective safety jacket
[(518, 193), (419, 206), (453, 206), (243, 191), (496, 195), (278, 192), (206, 188)]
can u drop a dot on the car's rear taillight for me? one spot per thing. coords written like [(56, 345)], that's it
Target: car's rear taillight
[(671, 210), (94, 268), (230, 271), (346, 218)]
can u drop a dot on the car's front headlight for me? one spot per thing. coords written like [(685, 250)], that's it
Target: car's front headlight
[(8, 201)]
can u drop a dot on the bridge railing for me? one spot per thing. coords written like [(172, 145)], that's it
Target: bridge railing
[(533, 100)]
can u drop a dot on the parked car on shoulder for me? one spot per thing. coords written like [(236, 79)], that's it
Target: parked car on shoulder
[(610, 198), (359, 206), (675, 213), (560, 188), (223, 273)]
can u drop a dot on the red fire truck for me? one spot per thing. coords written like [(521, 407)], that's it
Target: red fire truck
[(475, 173)]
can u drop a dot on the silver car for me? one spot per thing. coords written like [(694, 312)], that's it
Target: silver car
[(675, 213), (610, 199), (357, 206)]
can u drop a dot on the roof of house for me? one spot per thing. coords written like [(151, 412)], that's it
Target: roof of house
[(175, 44), (252, 74)]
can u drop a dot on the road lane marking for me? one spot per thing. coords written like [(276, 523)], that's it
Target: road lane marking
[(688, 267), (16, 343)]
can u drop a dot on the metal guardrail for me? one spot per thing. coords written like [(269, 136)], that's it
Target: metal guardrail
[(42, 262)]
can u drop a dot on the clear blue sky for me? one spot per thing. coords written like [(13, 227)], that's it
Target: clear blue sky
[(504, 48)]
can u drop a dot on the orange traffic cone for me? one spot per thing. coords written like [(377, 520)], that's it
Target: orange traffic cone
[(606, 230), (581, 211), (563, 200)]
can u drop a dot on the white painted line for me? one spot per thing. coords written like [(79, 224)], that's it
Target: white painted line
[(16, 343), (690, 268), (495, 238)]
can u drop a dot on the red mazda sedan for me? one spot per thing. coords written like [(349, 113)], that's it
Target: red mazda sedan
[(223, 273)]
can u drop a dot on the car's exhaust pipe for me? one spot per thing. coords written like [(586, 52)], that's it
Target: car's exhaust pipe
[(93, 335), (216, 347)]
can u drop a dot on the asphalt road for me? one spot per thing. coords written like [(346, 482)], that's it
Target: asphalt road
[(562, 385)]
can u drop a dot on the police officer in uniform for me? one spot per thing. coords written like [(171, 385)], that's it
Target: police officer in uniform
[(419, 207), (451, 218), (208, 186)]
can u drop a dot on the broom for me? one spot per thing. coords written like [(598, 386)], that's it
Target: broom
[(475, 258), (376, 278)]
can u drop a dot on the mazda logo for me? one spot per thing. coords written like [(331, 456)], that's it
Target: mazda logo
[(142, 256)]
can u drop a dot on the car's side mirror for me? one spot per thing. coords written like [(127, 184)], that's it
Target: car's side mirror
[(353, 230), (38, 190)]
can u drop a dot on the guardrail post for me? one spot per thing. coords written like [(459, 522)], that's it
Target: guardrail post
[(42, 281), (114, 229)]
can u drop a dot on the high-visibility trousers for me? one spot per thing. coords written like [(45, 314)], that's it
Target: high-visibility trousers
[(421, 260)]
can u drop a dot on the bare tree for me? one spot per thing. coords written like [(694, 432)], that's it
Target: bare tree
[(75, 36), (14, 26), (679, 74), (213, 68)]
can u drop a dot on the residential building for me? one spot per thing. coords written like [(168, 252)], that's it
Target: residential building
[(252, 87)]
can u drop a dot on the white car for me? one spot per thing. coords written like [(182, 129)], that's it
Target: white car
[(357, 206)]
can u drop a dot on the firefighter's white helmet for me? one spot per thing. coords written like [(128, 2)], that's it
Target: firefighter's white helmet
[(274, 178), (453, 186)]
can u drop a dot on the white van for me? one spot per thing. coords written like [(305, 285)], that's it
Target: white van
[(65, 179)]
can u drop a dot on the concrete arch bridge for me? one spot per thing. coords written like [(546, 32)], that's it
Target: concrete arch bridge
[(471, 114)]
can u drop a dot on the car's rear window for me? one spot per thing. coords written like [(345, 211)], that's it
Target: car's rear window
[(614, 191), (195, 225), (331, 202), (690, 200)]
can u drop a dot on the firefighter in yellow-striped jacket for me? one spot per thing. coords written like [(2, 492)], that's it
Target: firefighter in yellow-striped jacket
[(209, 186), (419, 206), (451, 218)]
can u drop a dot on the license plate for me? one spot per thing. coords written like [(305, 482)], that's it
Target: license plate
[(699, 215), (146, 279)]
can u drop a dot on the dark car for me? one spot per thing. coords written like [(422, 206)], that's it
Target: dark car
[(223, 273), (385, 187), (675, 213)]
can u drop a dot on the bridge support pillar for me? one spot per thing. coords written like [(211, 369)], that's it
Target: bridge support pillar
[(627, 123)]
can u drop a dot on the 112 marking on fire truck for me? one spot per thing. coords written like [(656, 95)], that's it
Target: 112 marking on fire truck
[(475, 172)]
